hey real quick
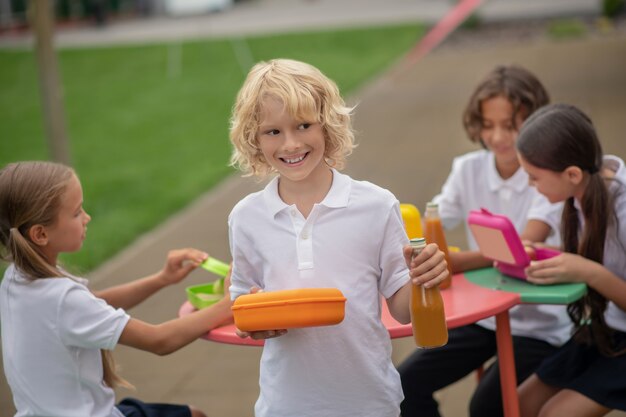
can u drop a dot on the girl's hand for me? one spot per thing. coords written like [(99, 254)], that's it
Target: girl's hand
[(261, 334), (180, 263), (566, 267), (429, 268)]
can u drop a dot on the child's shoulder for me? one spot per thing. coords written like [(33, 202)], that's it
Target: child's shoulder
[(617, 169), (58, 285), (473, 158), (371, 192), (16, 276), (251, 201), (369, 187), (254, 207), (40, 292)]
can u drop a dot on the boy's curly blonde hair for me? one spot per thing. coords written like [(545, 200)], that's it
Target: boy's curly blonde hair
[(307, 94)]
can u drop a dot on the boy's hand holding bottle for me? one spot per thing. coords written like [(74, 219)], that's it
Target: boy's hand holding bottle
[(429, 268)]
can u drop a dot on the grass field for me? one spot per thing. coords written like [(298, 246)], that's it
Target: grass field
[(148, 126)]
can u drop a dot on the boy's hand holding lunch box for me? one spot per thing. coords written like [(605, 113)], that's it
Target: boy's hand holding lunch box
[(262, 334)]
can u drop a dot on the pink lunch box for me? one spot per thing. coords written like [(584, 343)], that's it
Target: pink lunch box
[(498, 240)]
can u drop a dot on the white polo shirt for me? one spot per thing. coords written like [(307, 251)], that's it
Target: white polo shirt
[(614, 258), (473, 183), (52, 333), (353, 241)]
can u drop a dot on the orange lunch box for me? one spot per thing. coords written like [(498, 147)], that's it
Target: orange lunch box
[(286, 309)]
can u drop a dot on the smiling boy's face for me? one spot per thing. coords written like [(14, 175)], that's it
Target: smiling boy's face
[(294, 148)]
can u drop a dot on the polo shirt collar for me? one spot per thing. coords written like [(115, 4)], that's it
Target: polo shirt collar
[(518, 182), (337, 197), (339, 193)]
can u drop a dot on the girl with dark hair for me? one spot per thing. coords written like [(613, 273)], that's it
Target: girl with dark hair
[(560, 150)]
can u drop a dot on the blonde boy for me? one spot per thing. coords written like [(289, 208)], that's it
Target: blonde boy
[(314, 227)]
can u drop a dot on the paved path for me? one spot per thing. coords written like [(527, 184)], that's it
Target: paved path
[(409, 131)]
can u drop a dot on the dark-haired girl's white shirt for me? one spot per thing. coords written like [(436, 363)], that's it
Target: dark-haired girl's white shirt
[(615, 241), (474, 182), (52, 333)]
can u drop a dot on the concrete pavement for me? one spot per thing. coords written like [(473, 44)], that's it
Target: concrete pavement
[(409, 131)]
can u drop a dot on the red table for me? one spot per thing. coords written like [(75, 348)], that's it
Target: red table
[(465, 303)]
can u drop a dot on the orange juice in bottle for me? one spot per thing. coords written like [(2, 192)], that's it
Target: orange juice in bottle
[(433, 232), (427, 314)]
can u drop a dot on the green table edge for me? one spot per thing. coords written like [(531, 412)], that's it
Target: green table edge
[(529, 293)]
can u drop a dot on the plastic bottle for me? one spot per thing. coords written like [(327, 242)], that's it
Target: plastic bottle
[(412, 220), (433, 232), (427, 313)]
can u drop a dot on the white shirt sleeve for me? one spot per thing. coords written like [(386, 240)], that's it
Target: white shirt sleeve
[(541, 209), (88, 322), (247, 265), (394, 272)]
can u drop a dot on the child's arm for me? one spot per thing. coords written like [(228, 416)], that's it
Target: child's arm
[(168, 337), (178, 265), (569, 267), (468, 260), (535, 231), (429, 268)]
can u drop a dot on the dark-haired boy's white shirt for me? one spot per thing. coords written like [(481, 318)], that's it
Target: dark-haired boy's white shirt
[(52, 333), (473, 183), (353, 241)]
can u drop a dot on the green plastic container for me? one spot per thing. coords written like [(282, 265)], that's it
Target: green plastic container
[(217, 267), (203, 295)]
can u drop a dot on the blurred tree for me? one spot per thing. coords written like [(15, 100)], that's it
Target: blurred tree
[(611, 8), (42, 20)]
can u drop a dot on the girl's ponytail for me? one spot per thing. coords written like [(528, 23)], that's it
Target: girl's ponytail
[(587, 313), (27, 257), (109, 369)]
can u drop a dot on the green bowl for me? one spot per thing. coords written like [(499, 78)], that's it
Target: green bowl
[(203, 295)]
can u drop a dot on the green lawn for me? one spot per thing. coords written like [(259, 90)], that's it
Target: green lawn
[(149, 125)]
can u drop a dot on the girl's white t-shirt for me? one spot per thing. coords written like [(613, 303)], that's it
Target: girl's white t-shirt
[(615, 242), (52, 332)]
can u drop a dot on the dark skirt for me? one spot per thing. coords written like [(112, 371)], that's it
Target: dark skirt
[(131, 407), (583, 369)]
